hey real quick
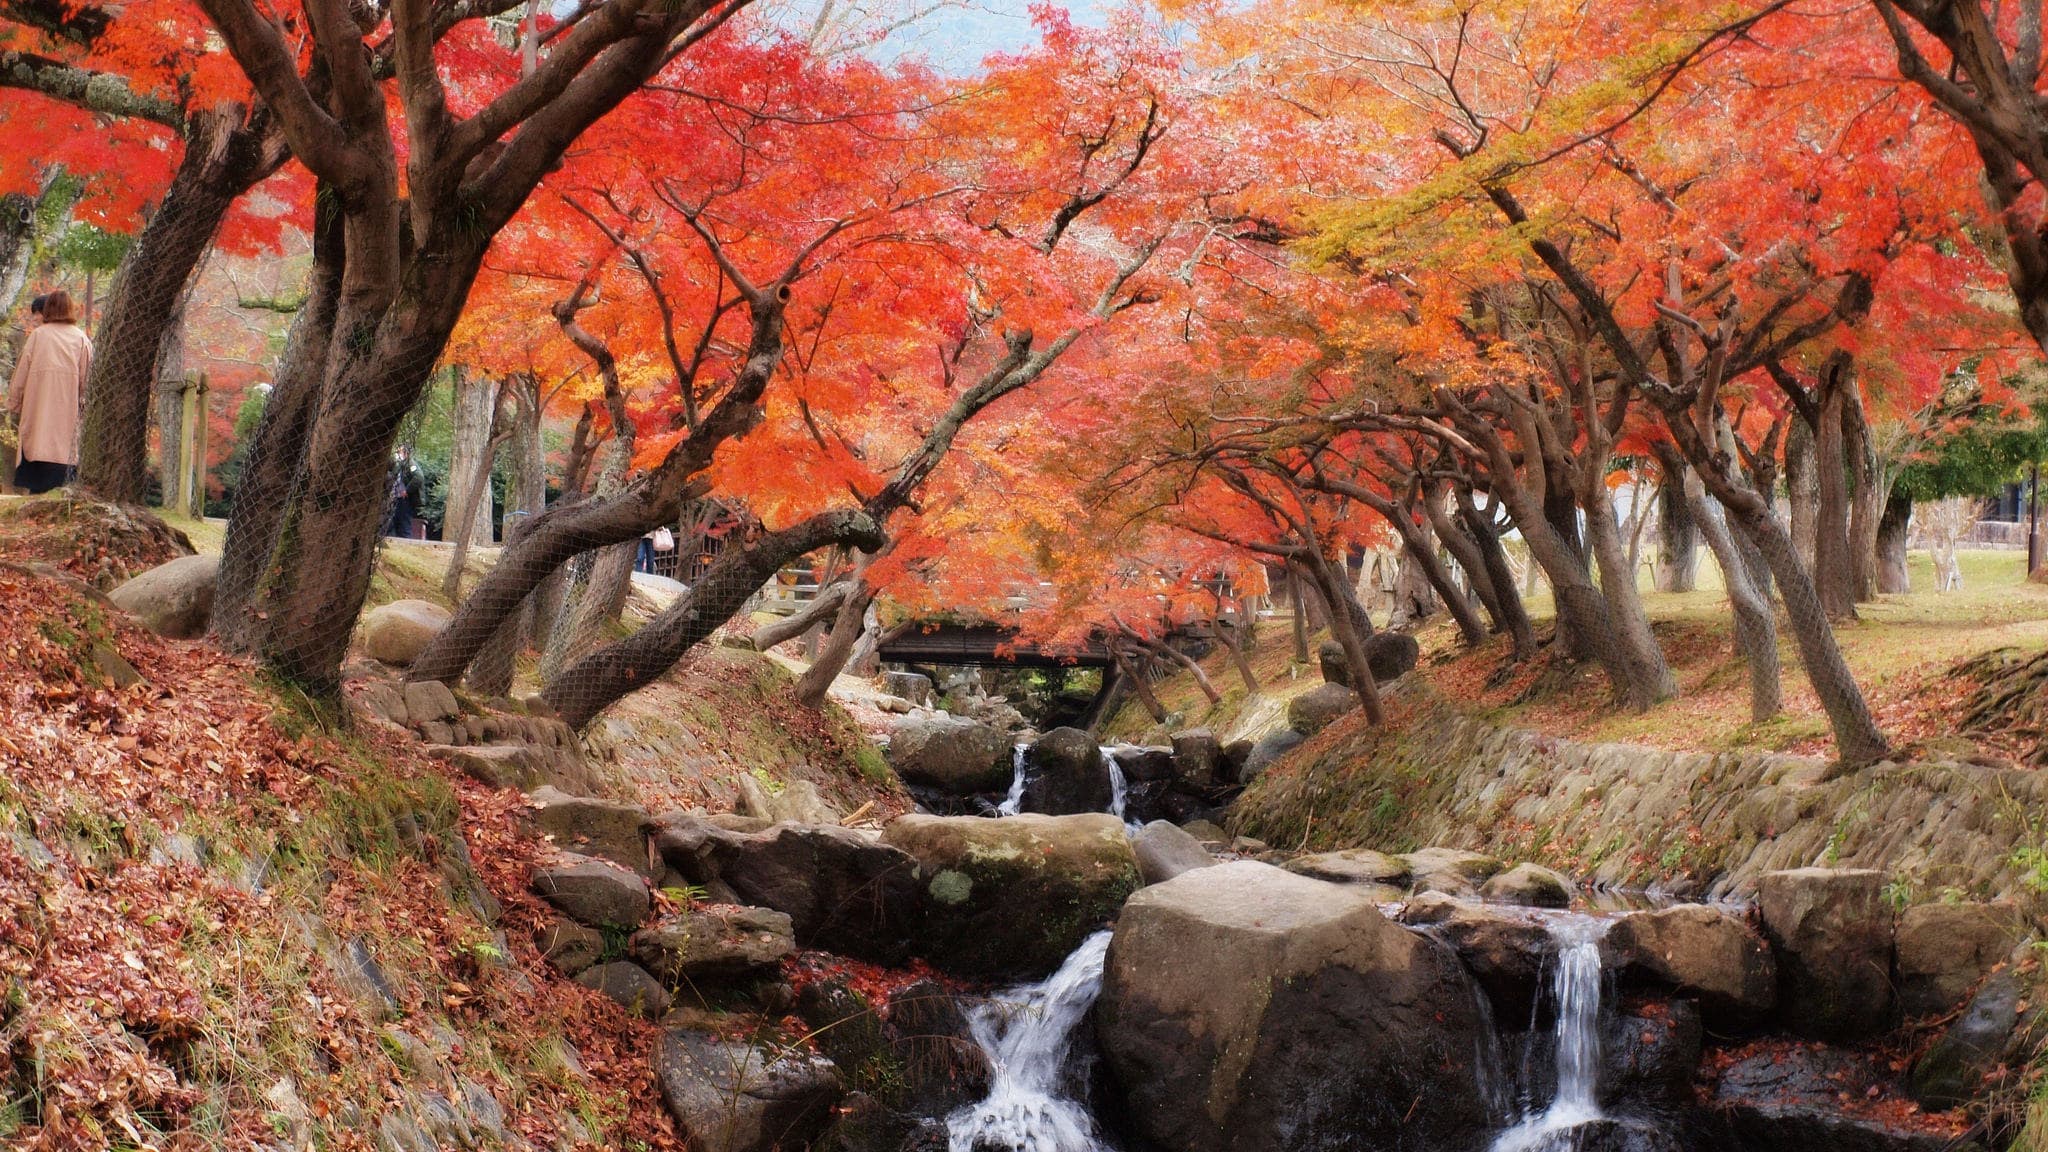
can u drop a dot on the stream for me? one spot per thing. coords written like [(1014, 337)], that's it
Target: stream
[(1575, 982), (1027, 1033)]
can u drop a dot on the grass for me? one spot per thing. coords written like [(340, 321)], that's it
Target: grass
[(1900, 649)]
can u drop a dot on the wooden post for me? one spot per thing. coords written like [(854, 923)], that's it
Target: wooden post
[(192, 474)]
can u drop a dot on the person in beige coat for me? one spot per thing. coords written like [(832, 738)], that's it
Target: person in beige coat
[(47, 394)]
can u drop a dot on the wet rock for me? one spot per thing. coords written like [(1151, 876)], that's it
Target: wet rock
[(1319, 707), (732, 1097), (943, 1068), (1619, 1134), (1197, 755), (1207, 833), (1449, 870), (1244, 1007), (714, 943), (1064, 774), (1270, 748), (604, 829), (569, 946), (396, 633), (1530, 885), (173, 599), (1142, 764), (1352, 866), (1953, 1068), (1943, 950), (1807, 1097), (1833, 936), (1013, 897), (843, 891), (1650, 1052), (950, 753), (1702, 952), (1505, 952), (629, 985), (1165, 851), (593, 892)]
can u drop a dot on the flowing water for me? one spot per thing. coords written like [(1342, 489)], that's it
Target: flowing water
[(1027, 1033), (1575, 990), (1119, 791), (1011, 802)]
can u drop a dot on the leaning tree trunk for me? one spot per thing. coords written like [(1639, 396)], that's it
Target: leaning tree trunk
[(1678, 538), (608, 674), (1651, 673), (1128, 672), (1857, 737), (1345, 615), (1893, 576), (1834, 568), (1802, 489), (1513, 614), (1756, 627), (825, 604), (240, 605), (847, 625), (114, 433)]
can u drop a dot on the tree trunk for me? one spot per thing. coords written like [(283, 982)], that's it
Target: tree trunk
[(1893, 577), (169, 387), (240, 604), (1651, 673), (1678, 538), (1129, 673), (847, 625), (1868, 493), (1415, 592), (1756, 627), (491, 673), (1345, 615), (1857, 737), (1176, 656), (604, 676), (114, 433), (1300, 615), (1513, 615), (469, 468), (1237, 639), (825, 604), (1802, 489), (1833, 564)]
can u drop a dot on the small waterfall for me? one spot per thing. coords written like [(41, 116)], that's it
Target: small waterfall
[(1119, 791), (1015, 799), (1026, 1033), (1575, 987)]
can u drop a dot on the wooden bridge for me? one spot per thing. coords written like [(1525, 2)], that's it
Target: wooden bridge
[(916, 642)]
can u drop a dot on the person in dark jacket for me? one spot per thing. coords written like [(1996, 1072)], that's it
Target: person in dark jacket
[(408, 488)]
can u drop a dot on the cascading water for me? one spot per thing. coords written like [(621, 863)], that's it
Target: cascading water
[(1012, 802), (1575, 987), (1027, 1033), (1119, 790)]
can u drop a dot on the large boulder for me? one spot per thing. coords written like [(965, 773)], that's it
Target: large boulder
[(1943, 950), (729, 1096), (1820, 1099), (1832, 932), (1244, 1007), (713, 943), (1012, 897), (1064, 773), (1270, 748), (605, 829), (1390, 655), (843, 891), (1164, 851), (594, 892), (1531, 885), (1650, 1052), (951, 753), (1352, 866), (915, 687), (173, 599), (1198, 758), (1452, 871), (398, 632), (1319, 707), (1701, 952), (1505, 951), (1954, 1067)]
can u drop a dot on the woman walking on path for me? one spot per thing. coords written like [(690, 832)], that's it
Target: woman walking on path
[(47, 395)]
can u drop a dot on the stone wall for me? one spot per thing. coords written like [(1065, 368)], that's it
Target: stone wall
[(1628, 816)]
